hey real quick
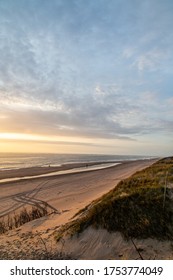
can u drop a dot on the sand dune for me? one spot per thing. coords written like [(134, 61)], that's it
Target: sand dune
[(100, 244), (64, 194)]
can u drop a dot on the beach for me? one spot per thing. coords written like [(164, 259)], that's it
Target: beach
[(65, 195), (36, 171)]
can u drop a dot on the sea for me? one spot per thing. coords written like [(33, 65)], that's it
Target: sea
[(10, 161)]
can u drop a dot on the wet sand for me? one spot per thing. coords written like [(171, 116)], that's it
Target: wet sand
[(32, 171)]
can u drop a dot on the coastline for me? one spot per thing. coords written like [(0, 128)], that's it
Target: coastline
[(39, 173), (67, 193), (34, 171)]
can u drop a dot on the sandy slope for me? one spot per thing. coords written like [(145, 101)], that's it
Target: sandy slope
[(100, 244), (66, 193)]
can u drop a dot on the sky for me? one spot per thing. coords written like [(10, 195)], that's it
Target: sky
[(84, 76)]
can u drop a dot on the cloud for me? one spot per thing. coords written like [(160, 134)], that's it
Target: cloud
[(151, 60), (105, 113), (91, 69)]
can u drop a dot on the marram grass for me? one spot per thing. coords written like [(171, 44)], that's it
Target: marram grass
[(140, 206)]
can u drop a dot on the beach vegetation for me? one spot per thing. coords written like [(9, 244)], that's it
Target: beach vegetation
[(138, 207), (15, 220)]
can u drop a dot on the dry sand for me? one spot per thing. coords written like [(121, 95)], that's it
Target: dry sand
[(65, 194), (99, 244)]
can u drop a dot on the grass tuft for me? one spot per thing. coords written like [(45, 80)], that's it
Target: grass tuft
[(25, 216)]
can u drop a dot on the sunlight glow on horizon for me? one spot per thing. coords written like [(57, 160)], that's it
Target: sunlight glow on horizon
[(19, 136), (40, 138), (30, 143)]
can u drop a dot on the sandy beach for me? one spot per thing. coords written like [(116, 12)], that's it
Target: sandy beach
[(64, 194)]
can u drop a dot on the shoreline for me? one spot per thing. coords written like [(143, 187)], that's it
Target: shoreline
[(34, 171), (67, 193), (65, 168), (63, 171), (70, 191)]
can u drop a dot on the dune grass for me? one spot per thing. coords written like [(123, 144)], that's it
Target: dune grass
[(16, 220), (140, 206)]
